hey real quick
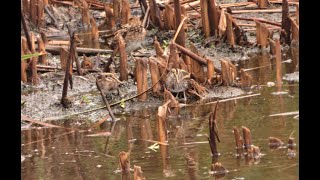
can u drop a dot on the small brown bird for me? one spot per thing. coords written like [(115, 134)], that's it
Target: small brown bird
[(108, 83), (177, 81), (86, 63), (133, 34)]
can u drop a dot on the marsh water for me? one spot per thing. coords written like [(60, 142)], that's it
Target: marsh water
[(58, 153)]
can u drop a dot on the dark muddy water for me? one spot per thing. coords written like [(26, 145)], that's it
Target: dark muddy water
[(68, 154)]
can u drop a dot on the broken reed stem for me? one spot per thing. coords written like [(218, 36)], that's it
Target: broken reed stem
[(226, 73), (162, 117), (155, 14), (85, 14), (157, 47), (137, 173), (23, 66), (258, 32), (174, 104), (285, 23), (174, 57), (33, 12), (210, 69), (213, 131), (40, 13), (291, 143), (239, 142), (34, 61), (297, 13), (124, 161), (272, 47), (75, 58), (117, 10), (222, 23), (141, 75), (25, 8), (125, 12), (44, 38), (41, 48), (278, 64), (246, 79), (263, 4), (26, 30), (155, 75), (196, 68), (123, 58), (229, 30), (68, 75), (247, 138), (169, 18), (94, 30), (24, 46), (213, 17), (64, 54), (205, 18), (109, 19), (262, 34), (294, 29)]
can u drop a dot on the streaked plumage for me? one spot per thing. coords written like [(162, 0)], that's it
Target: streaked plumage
[(108, 83), (177, 81)]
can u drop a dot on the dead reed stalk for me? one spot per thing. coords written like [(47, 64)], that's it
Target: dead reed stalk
[(141, 75)]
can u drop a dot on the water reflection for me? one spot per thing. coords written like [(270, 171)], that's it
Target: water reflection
[(58, 153)]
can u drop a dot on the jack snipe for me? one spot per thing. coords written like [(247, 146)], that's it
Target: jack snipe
[(133, 33), (177, 81), (108, 83)]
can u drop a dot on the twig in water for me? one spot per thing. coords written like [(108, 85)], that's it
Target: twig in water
[(223, 100)]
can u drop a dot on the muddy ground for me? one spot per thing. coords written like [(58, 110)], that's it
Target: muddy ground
[(43, 101)]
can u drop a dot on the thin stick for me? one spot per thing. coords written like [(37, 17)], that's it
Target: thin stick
[(105, 101), (195, 56), (152, 141), (285, 114), (144, 22), (236, 4), (280, 2), (223, 100), (258, 19), (259, 11), (56, 49), (178, 30)]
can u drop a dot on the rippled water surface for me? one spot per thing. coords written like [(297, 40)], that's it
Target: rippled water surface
[(57, 153)]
